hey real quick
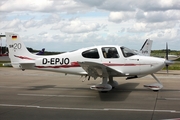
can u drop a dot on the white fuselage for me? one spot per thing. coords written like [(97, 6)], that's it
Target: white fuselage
[(68, 62)]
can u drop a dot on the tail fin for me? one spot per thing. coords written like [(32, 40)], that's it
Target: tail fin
[(18, 53), (146, 48), (41, 52)]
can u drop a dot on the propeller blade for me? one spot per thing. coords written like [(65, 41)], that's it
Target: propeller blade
[(167, 66), (167, 53)]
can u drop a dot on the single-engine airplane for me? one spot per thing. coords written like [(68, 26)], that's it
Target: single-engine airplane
[(106, 62), (146, 48)]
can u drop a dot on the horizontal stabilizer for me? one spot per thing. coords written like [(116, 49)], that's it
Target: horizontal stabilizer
[(24, 64)]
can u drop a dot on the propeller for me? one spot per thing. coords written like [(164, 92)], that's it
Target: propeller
[(168, 62), (167, 53)]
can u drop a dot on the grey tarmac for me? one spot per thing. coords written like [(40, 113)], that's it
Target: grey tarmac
[(35, 95)]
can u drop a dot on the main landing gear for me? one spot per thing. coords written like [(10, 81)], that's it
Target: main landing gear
[(108, 83), (154, 86), (105, 85)]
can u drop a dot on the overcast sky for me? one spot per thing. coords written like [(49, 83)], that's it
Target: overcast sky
[(65, 25)]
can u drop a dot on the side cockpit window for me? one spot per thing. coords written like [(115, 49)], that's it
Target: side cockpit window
[(92, 53), (110, 52)]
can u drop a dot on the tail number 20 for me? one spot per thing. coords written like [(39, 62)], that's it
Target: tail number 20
[(17, 46)]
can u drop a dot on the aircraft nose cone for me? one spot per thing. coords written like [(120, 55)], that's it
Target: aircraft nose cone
[(156, 64), (159, 63)]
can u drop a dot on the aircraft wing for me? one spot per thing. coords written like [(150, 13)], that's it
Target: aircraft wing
[(99, 70)]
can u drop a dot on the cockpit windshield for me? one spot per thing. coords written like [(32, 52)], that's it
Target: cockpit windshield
[(127, 52)]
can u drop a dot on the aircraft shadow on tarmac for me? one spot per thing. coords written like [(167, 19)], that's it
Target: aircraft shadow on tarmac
[(120, 93), (41, 87)]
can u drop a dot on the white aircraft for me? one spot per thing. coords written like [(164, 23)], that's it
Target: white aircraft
[(105, 61), (173, 57), (40, 52), (170, 57), (146, 48)]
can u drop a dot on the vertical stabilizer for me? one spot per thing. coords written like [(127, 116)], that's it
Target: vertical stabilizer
[(18, 52), (146, 48)]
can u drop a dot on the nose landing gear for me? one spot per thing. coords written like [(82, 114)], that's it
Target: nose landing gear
[(154, 86)]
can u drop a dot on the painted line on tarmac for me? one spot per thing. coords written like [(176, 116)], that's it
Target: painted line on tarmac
[(46, 95), (89, 109), (18, 87), (11, 87), (169, 99), (172, 98)]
